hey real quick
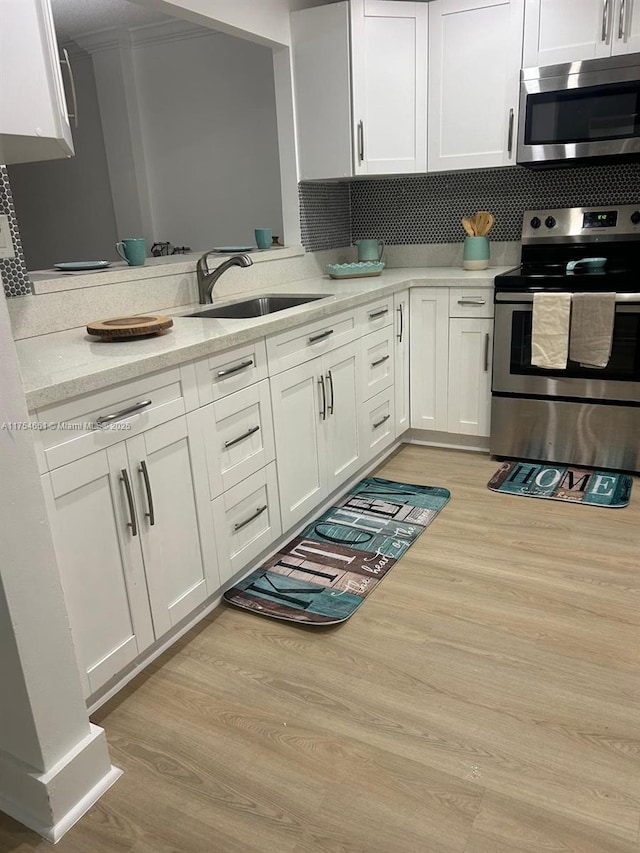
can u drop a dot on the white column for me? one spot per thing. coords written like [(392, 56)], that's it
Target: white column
[(54, 764), (114, 70), (283, 77)]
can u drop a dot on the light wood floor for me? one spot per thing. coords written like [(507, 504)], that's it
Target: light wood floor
[(483, 700)]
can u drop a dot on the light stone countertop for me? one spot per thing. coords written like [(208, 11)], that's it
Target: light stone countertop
[(62, 365)]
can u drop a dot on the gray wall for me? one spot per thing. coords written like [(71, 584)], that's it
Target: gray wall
[(64, 207)]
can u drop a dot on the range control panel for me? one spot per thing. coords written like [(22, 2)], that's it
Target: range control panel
[(596, 224)]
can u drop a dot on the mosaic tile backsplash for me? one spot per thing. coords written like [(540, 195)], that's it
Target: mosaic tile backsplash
[(428, 208), (13, 270)]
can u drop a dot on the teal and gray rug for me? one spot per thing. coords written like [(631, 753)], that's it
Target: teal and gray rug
[(323, 575), (562, 483)]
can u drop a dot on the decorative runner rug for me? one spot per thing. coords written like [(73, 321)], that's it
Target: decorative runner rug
[(323, 575), (562, 483)]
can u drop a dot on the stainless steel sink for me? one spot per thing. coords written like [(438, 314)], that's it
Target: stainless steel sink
[(258, 307)]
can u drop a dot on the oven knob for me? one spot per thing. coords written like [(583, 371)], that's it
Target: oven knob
[(535, 222), (635, 217), (550, 221)]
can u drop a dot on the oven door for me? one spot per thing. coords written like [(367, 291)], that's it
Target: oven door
[(513, 372)]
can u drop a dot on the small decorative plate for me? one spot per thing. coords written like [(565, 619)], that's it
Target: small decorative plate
[(355, 270), (139, 325), (227, 250), (79, 266)]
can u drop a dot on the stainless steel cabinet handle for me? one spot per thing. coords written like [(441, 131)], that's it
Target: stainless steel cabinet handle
[(380, 313), (621, 19), (510, 133), (147, 487), (486, 353), (124, 478), (477, 301), (605, 21), (236, 367), (400, 311), (117, 416), (330, 381), (251, 518), (323, 413), (360, 141), (382, 421), (66, 61), (242, 437), (321, 336), (380, 360)]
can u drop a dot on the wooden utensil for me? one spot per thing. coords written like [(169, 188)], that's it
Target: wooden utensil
[(483, 222), (468, 226)]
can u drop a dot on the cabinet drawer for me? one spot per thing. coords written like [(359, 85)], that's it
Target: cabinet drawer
[(238, 436), (246, 520), (377, 362), (99, 420), (226, 372), (295, 346), (376, 315), (377, 423), (471, 302)]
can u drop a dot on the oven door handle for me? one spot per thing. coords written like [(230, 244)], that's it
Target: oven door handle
[(506, 296)]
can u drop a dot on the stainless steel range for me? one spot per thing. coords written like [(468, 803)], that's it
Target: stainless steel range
[(579, 415)]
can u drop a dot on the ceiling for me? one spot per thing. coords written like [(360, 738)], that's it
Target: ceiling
[(77, 17)]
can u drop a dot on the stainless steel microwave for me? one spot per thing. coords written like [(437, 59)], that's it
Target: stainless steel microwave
[(579, 110)]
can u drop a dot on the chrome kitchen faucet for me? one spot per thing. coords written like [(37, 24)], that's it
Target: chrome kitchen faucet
[(207, 280)]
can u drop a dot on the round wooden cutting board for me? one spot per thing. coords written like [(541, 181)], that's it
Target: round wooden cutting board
[(129, 327)]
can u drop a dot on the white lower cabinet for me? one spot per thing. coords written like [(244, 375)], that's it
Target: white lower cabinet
[(315, 415), (246, 519), (451, 337), (134, 551)]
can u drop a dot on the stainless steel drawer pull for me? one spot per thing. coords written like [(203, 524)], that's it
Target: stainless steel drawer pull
[(621, 19), (124, 478), (510, 132), (251, 518), (242, 437), (382, 421), (330, 383), (323, 413), (380, 360), (475, 301), (66, 61), (321, 336), (375, 314), (360, 141), (401, 322), (228, 371), (604, 35), (147, 486), (123, 413), (486, 353)]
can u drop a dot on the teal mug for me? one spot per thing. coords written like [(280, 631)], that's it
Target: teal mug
[(133, 250), (370, 250), (263, 237), (475, 254)]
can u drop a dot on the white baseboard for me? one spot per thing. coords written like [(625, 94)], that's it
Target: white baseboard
[(448, 440), (51, 803)]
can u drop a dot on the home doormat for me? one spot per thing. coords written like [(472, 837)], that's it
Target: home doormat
[(562, 483), (323, 575)]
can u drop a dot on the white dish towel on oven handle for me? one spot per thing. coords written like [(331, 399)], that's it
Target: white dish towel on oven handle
[(550, 330), (592, 319)]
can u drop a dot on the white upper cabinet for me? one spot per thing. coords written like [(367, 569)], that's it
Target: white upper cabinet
[(34, 119), (474, 77), (389, 84), (360, 79), (559, 31)]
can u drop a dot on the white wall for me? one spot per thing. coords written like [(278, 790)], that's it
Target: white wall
[(65, 207), (206, 103)]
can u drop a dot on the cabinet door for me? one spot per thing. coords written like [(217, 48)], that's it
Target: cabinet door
[(401, 366), (625, 28), (557, 31), (100, 563), (474, 76), (299, 412), (429, 341), (470, 375), (33, 114), (342, 374), (389, 84), (168, 471)]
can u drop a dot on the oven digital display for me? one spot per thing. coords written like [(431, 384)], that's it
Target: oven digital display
[(600, 219)]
